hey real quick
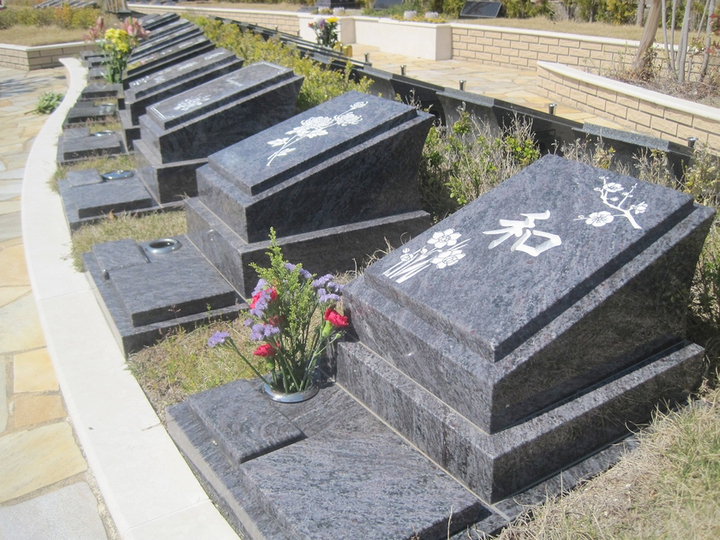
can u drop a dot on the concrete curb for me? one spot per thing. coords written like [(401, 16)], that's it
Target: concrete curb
[(149, 489)]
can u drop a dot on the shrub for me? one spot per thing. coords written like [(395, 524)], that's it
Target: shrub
[(48, 102), (525, 9), (321, 83), (462, 161)]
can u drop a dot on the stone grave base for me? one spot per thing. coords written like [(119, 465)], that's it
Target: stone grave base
[(328, 468), (166, 181), (502, 463), (144, 295), (131, 132), (335, 249), (87, 196), (78, 143)]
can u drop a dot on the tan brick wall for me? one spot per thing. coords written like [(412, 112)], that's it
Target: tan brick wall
[(29, 58), (494, 47), (636, 113)]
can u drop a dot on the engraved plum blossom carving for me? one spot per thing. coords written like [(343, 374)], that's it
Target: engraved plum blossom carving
[(412, 263), (616, 202), (315, 126)]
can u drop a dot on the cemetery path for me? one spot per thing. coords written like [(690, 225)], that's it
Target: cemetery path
[(513, 85), (47, 490)]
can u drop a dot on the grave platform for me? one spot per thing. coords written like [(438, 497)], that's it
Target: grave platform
[(88, 196), (329, 468), (150, 288), (78, 143)]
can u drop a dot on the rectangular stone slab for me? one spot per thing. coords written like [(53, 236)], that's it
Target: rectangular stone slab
[(210, 96), (166, 289), (306, 140), (242, 421), (173, 33), (178, 78), (527, 251)]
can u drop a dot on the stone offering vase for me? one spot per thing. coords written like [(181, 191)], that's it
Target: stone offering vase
[(284, 318)]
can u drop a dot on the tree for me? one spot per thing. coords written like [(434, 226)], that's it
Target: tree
[(643, 59)]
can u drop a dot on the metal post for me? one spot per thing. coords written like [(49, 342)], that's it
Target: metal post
[(402, 70), (692, 141), (462, 84), (551, 108)]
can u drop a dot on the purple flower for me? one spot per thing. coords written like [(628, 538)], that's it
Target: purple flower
[(325, 296), (334, 287), (248, 322), (258, 332), (261, 284), (304, 273), (269, 330), (218, 338), (322, 281)]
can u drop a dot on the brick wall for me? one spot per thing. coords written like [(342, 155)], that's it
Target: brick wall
[(46, 56), (641, 110), (524, 48)]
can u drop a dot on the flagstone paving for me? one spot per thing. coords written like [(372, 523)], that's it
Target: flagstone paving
[(44, 488)]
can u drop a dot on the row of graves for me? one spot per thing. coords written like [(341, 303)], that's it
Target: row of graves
[(496, 357)]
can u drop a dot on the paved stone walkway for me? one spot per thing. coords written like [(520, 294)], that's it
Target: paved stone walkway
[(45, 484)]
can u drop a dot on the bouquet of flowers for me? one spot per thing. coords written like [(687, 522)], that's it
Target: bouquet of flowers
[(284, 304), (325, 30), (117, 44)]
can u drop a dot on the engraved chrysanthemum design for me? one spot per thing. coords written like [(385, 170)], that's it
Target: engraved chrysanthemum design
[(315, 126), (616, 202), (191, 103), (412, 263)]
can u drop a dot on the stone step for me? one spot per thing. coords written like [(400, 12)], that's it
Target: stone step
[(348, 477), (498, 465)]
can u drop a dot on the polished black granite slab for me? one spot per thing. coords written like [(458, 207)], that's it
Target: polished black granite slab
[(78, 143), (351, 159), (177, 78), (165, 57), (216, 114), (144, 295), (171, 34)]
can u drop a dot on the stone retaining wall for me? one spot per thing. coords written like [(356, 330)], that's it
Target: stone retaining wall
[(641, 110), (40, 57), (524, 48)]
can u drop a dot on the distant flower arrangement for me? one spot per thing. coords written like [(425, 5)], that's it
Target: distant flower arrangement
[(325, 31)]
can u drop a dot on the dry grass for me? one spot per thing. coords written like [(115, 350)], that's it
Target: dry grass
[(31, 36), (140, 229), (668, 488), (182, 364)]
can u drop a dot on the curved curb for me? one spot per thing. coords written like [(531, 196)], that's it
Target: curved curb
[(148, 488)]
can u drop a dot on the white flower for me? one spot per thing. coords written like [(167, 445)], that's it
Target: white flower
[(278, 142), (312, 127), (406, 256), (598, 219), (358, 105), (613, 187), (447, 258), (446, 238), (640, 208), (347, 118)]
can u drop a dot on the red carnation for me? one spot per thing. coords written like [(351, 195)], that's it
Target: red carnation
[(257, 295), (264, 350), (334, 318)]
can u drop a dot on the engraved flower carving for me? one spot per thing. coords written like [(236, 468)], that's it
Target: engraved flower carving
[(598, 219), (447, 258), (347, 119), (639, 208), (447, 237)]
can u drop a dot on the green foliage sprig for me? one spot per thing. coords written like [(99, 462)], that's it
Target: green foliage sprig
[(48, 102), (321, 83)]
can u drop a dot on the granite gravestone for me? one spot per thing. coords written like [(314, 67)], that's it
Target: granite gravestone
[(511, 345), (78, 143), (160, 59), (172, 80), (529, 329), (480, 10), (178, 133), (333, 182)]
